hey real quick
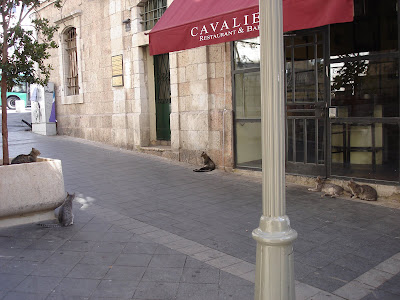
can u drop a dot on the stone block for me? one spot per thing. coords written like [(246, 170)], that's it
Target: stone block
[(119, 121), (119, 107), (190, 156), (197, 102), (182, 74), (194, 121), (116, 19), (211, 73), (174, 121), (221, 101), (173, 76), (119, 94), (219, 70), (173, 60), (202, 71), (174, 91), (116, 33), (198, 87), (183, 58), (112, 7), (191, 73), (215, 53), (194, 140), (216, 85), (198, 55), (175, 140), (119, 137), (138, 66), (216, 119), (215, 140), (184, 89), (118, 6), (138, 40)]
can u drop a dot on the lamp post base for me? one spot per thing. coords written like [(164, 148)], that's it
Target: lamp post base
[(275, 264)]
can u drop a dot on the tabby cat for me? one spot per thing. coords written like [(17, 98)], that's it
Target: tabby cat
[(65, 215), (328, 189), (209, 165), (26, 158), (364, 192)]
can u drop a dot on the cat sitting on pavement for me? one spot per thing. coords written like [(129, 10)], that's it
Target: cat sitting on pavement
[(65, 215), (328, 189), (362, 191), (209, 165)]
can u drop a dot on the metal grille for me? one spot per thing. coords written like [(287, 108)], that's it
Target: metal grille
[(162, 78), (162, 96), (72, 75), (153, 10)]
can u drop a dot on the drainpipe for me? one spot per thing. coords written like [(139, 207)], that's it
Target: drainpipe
[(274, 260), (224, 111)]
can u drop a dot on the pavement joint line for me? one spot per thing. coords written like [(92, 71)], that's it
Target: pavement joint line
[(207, 255), (370, 280), (354, 290)]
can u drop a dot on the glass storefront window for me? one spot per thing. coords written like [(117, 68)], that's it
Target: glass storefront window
[(365, 150), (248, 144), (366, 87), (374, 30), (247, 103), (248, 95), (342, 97), (364, 75), (247, 53), (304, 68)]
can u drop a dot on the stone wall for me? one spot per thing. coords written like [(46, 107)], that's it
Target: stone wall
[(101, 114), (201, 118), (201, 92)]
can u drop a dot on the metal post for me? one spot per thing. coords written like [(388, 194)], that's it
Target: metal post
[(274, 266)]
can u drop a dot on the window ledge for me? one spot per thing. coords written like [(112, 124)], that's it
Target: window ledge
[(74, 99)]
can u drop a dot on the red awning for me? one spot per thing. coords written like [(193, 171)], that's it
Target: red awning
[(193, 23)]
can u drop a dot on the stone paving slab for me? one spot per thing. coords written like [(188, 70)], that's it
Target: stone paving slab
[(149, 228)]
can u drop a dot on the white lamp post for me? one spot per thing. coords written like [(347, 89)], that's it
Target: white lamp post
[(274, 266)]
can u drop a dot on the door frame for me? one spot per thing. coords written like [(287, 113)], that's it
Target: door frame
[(305, 168)]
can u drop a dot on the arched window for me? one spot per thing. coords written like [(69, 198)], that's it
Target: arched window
[(72, 82)]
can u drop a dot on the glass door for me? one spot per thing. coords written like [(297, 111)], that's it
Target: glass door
[(306, 102)]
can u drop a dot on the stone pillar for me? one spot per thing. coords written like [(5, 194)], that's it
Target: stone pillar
[(140, 118), (119, 120), (274, 261)]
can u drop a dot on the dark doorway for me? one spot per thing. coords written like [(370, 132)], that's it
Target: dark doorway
[(162, 96)]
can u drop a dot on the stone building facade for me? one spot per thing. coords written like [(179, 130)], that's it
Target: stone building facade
[(113, 91), (124, 115)]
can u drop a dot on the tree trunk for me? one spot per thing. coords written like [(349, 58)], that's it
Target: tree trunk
[(4, 129)]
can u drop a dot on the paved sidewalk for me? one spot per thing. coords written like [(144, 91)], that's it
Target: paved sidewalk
[(149, 228)]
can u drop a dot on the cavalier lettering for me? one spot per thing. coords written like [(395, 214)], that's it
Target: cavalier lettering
[(256, 18), (226, 27), (253, 28)]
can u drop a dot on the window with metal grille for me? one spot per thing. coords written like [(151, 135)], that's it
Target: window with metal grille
[(153, 10), (72, 60)]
